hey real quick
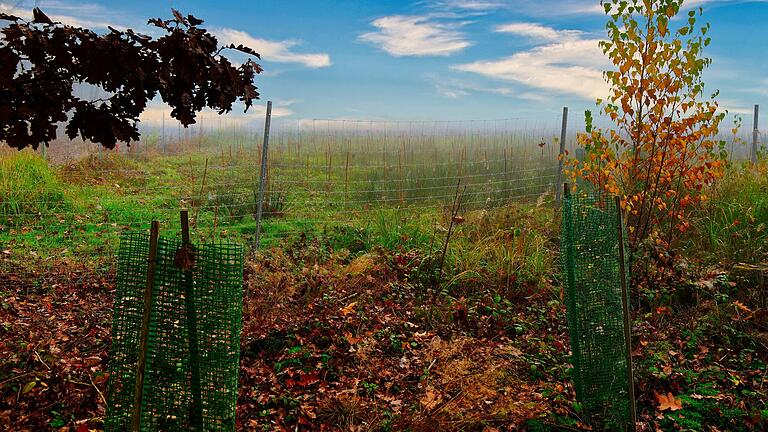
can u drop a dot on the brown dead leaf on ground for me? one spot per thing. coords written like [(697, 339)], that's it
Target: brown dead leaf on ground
[(668, 402)]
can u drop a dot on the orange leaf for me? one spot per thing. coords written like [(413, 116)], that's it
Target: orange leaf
[(348, 309), (669, 402), (351, 339)]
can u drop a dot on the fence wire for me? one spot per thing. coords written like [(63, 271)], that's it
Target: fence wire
[(61, 226)]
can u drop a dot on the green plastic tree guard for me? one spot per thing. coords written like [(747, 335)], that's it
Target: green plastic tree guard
[(592, 272), (171, 399)]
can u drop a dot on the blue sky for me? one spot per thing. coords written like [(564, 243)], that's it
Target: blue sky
[(437, 59)]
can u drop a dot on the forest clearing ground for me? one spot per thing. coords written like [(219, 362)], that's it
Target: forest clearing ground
[(332, 344)]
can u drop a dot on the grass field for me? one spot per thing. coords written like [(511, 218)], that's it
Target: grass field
[(339, 184)]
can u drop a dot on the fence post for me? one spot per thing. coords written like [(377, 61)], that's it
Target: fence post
[(146, 313), (755, 133), (263, 176), (561, 154), (627, 317)]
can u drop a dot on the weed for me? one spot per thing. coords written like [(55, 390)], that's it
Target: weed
[(29, 187), (734, 225)]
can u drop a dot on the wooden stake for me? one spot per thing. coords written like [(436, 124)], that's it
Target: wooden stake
[(147, 312), (506, 177), (627, 318), (162, 140)]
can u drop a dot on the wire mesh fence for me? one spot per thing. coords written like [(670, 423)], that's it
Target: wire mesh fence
[(592, 267), (321, 174)]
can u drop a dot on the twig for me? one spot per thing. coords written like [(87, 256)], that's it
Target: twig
[(15, 378), (432, 240), (41, 360), (429, 369), (454, 213), (103, 399), (444, 404)]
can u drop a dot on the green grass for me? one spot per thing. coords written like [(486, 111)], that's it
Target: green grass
[(77, 211), (29, 186), (389, 194), (733, 226)]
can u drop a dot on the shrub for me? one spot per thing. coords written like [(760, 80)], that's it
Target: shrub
[(662, 152)]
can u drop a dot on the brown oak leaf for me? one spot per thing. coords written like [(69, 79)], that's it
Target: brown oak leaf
[(668, 402)]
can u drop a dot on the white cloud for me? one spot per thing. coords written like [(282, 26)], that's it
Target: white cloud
[(552, 8), (592, 7), (571, 66), (156, 111), (736, 107), (272, 51), (470, 5), (415, 36), (88, 15), (537, 31), (761, 88), (455, 88), (451, 91)]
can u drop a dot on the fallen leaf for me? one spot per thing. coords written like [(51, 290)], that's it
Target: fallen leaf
[(431, 398), (28, 387), (668, 402), (351, 339), (348, 309), (741, 306)]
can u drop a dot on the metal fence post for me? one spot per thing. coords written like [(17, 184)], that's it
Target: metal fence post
[(561, 155), (755, 133), (263, 176)]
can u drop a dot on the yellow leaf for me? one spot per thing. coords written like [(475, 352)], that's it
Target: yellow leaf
[(28, 386)]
